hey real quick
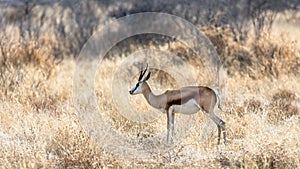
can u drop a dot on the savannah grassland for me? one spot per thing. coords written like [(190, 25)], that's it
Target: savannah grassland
[(39, 127)]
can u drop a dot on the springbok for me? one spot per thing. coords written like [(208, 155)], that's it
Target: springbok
[(186, 100)]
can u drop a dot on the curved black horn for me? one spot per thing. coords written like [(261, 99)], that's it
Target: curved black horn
[(147, 77), (143, 73)]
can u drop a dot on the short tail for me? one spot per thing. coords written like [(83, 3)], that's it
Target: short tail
[(218, 99)]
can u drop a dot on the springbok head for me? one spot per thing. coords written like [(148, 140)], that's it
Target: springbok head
[(137, 89)]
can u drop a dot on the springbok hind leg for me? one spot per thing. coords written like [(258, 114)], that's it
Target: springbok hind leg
[(221, 127), (220, 124), (219, 134)]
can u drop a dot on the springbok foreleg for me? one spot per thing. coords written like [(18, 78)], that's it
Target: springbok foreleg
[(170, 126)]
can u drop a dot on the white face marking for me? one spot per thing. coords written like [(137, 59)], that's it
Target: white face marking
[(189, 107), (137, 89)]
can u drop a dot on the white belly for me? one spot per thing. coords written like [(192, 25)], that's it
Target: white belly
[(189, 107)]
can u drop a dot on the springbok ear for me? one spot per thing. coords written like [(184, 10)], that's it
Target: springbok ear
[(147, 77)]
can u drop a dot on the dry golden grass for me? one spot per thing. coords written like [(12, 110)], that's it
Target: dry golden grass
[(39, 126), (261, 106)]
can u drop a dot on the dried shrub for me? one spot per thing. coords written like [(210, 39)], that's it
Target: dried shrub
[(235, 57), (23, 51), (275, 157), (275, 58), (283, 106), (220, 37), (224, 161), (75, 149), (251, 106), (268, 156), (264, 57)]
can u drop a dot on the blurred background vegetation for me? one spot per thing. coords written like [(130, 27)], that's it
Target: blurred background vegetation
[(39, 31)]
